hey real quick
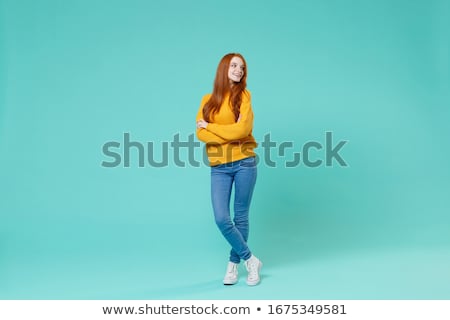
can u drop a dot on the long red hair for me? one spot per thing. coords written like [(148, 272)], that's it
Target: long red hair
[(222, 87)]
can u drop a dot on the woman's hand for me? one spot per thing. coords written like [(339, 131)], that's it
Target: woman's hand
[(202, 124)]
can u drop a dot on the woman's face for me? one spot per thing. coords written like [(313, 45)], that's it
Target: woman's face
[(236, 69)]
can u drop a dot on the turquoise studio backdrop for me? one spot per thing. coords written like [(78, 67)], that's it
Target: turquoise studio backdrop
[(78, 75)]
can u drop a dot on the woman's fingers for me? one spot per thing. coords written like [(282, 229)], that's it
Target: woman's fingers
[(201, 123)]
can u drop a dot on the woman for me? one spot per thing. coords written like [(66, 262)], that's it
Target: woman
[(225, 123)]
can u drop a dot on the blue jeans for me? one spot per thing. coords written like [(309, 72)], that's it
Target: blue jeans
[(243, 174)]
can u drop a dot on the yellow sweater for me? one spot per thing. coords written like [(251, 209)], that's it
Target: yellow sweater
[(227, 140)]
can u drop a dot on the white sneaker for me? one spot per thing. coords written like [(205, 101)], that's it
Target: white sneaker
[(253, 266), (231, 276)]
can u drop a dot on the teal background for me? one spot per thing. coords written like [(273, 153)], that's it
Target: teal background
[(76, 74)]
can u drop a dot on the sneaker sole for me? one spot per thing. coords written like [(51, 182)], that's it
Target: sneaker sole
[(229, 283)]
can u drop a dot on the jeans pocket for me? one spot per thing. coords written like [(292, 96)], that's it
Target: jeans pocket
[(248, 162)]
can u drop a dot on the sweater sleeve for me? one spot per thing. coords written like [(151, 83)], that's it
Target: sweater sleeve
[(203, 134), (240, 129)]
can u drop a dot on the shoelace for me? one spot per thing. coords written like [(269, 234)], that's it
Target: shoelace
[(232, 269), (252, 269)]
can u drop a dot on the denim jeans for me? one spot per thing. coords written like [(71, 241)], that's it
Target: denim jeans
[(243, 174)]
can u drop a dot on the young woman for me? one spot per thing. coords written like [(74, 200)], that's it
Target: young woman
[(225, 123)]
